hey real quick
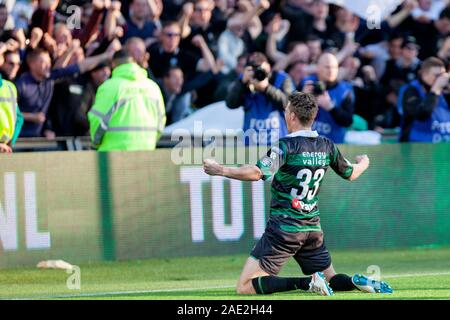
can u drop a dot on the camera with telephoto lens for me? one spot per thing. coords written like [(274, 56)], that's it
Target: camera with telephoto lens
[(319, 88), (259, 73)]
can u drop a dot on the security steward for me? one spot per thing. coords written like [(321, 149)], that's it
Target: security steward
[(11, 120), (129, 112)]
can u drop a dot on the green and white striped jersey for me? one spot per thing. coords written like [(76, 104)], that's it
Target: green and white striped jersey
[(297, 165)]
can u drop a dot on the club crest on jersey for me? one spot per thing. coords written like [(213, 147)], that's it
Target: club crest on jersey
[(267, 162), (275, 151)]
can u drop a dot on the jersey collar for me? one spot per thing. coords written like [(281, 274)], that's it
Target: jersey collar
[(304, 133)]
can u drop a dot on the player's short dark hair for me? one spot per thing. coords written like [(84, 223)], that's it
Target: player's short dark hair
[(304, 105), (431, 62)]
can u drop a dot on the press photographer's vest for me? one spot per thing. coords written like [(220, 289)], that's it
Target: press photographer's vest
[(324, 123), (8, 113), (436, 128), (264, 123)]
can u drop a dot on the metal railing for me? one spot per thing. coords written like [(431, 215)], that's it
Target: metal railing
[(84, 143), (43, 144)]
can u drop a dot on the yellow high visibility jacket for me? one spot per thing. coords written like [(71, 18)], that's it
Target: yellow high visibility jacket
[(8, 110), (129, 111)]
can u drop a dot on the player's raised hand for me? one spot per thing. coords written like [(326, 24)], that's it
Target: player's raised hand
[(363, 159), (212, 168), (361, 165)]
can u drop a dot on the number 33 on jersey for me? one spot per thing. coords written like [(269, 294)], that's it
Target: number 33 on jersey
[(297, 166)]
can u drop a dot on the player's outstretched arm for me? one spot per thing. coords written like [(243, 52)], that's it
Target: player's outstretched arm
[(361, 165), (244, 173)]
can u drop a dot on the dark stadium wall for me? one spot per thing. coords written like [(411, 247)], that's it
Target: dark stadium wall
[(87, 206)]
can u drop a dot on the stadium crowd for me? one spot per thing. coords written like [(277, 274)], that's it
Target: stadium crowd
[(57, 53)]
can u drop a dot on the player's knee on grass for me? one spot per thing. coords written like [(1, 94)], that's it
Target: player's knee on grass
[(245, 288)]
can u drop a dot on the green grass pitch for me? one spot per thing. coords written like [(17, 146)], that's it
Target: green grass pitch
[(413, 274)]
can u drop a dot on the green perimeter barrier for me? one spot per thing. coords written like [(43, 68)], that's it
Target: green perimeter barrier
[(87, 206)]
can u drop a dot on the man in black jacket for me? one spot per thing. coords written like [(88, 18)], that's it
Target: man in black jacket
[(424, 107), (263, 94)]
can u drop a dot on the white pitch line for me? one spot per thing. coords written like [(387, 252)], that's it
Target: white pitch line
[(407, 275), (118, 293)]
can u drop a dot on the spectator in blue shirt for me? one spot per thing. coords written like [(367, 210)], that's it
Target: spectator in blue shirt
[(35, 89)]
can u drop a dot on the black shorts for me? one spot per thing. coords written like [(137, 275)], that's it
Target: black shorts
[(276, 246)]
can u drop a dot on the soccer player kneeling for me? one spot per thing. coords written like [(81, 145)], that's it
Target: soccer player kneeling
[(297, 166)]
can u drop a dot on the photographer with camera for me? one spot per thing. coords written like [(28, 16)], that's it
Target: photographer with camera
[(335, 98), (263, 94), (423, 105)]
